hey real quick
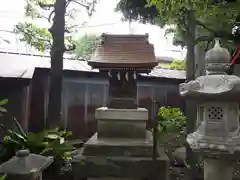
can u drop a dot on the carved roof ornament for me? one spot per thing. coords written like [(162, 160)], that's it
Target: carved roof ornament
[(216, 84), (217, 59)]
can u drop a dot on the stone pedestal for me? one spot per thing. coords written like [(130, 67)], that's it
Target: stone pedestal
[(122, 147), (215, 169), (121, 132), (121, 123)]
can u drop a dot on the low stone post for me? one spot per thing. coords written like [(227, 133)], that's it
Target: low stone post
[(217, 136), (25, 166)]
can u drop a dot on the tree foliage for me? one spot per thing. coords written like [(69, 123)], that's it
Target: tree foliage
[(40, 37), (176, 64), (85, 46), (37, 37), (33, 8), (213, 18), (137, 10)]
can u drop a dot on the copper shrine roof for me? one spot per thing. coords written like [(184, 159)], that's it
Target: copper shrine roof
[(126, 50)]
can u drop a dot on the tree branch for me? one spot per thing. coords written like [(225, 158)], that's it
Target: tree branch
[(219, 34), (50, 15), (45, 6), (80, 3), (42, 16), (199, 23), (67, 31), (207, 46), (204, 38)]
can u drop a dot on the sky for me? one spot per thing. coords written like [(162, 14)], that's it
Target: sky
[(104, 19)]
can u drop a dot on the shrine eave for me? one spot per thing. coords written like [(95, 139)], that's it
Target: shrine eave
[(133, 66)]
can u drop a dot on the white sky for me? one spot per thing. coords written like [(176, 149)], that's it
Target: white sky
[(104, 19)]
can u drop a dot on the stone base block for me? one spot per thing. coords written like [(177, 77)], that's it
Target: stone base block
[(121, 123), (117, 128), (119, 147), (120, 167)]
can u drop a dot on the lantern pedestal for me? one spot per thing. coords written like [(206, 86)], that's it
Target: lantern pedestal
[(216, 169)]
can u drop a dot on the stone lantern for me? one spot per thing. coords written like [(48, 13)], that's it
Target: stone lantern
[(217, 135), (25, 166)]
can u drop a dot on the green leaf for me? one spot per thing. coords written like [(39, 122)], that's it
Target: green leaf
[(65, 133), (8, 139), (46, 150), (35, 137), (19, 128), (52, 136), (17, 136), (3, 102), (170, 120), (74, 142)]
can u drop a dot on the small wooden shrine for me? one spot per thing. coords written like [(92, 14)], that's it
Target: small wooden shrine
[(122, 145), (122, 57)]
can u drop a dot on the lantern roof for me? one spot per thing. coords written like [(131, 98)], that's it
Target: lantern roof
[(123, 51), (216, 85), (25, 163)]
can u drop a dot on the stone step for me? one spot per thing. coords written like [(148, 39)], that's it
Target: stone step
[(119, 147)]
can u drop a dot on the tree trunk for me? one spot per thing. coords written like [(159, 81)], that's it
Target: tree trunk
[(199, 61), (191, 157), (57, 31)]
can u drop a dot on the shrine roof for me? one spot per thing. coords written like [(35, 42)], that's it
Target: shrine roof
[(126, 50)]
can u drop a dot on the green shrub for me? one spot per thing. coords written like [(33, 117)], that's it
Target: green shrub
[(170, 120), (3, 177), (48, 143), (176, 64), (52, 142)]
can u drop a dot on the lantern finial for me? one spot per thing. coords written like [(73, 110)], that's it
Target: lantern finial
[(23, 153), (217, 59)]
